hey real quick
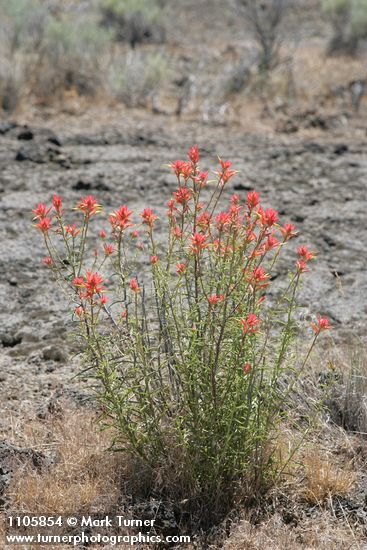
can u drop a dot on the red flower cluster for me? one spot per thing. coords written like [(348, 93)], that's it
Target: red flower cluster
[(213, 299), (304, 255), (182, 196), (134, 286), (225, 173), (268, 217), (57, 203), (198, 243), (321, 324), (182, 168), (120, 219), (72, 230), (44, 225), (89, 206), (89, 285), (108, 249), (149, 217), (41, 211), (250, 324), (193, 154)]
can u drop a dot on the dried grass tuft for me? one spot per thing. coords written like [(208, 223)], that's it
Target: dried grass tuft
[(324, 479), (83, 477)]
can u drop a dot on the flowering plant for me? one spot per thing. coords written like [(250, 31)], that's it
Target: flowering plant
[(188, 357)]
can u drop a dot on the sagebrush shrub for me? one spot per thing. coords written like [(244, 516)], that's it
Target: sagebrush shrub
[(134, 21), (193, 367), (349, 21), (135, 79)]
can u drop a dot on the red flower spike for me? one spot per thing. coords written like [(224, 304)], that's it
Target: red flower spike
[(177, 233), (41, 211), (44, 225), (89, 206), (57, 203), (148, 217), (187, 170), (108, 249), (288, 231), (92, 284), (246, 368), (103, 300), (198, 243), (171, 208), (202, 179), (268, 217), (177, 167), (134, 286), (301, 266), (321, 324), (193, 154), (226, 173), (72, 230), (180, 268), (305, 254), (258, 277), (271, 242), (78, 311), (213, 299), (225, 164), (204, 221), (47, 261), (253, 199), (182, 195), (250, 324), (222, 219), (120, 219), (154, 259), (103, 234)]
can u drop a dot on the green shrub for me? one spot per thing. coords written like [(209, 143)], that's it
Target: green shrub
[(349, 20), (133, 21), (192, 369), (136, 79), (22, 23), (72, 55)]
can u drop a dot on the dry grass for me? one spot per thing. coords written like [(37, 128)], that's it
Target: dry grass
[(319, 533), (83, 477), (324, 479)]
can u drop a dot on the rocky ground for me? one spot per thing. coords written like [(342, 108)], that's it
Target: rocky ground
[(317, 182)]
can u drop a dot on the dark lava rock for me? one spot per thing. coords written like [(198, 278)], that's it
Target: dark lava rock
[(341, 149), (41, 135), (287, 126), (25, 135), (54, 353), (10, 340), (6, 125), (87, 185), (41, 154)]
